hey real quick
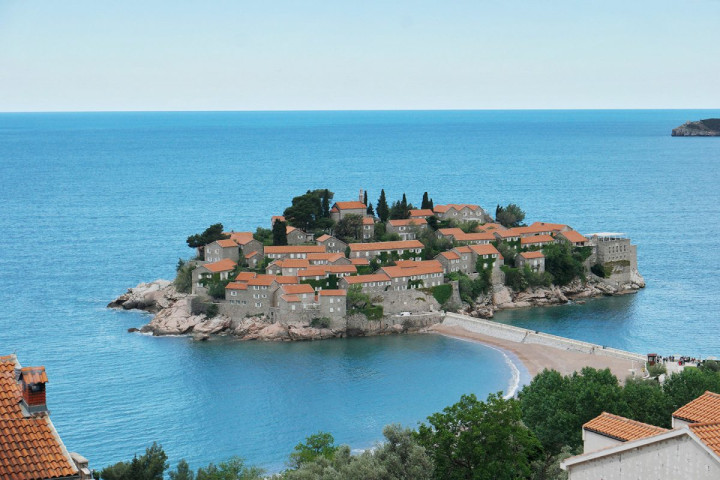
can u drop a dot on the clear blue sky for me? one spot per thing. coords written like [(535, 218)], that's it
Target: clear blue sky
[(305, 55)]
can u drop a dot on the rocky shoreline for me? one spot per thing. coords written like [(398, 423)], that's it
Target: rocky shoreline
[(709, 127), (173, 312)]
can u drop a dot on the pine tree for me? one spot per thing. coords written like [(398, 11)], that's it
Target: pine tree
[(370, 210), (383, 211)]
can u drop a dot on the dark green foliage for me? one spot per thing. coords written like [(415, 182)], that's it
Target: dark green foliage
[(657, 369), (600, 271), (432, 223), (321, 444), (356, 299), (427, 202), (514, 278), (711, 123), (365, 201), (470, 289), (264, 236), (536, 279), (510, 216), (469, 227), (150, 466), (211, 234), (645, 401), (309, 209), (329, 283), (382, 209), (400, 209), (212, 310), (433, 245), (183, 279), (563, 263), (215, 286), (182, 472), (479, 440), (507, 252), (349, 229), (690, 384), (370, 210), (322, 322), (373, 312), (710, 365), (442, 293), (279, 233)]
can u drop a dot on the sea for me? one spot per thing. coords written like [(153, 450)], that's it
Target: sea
[(94, 203)]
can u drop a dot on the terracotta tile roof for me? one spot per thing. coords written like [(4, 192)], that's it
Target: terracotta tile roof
[(340, 268), (350, 205), (224, 265), (401, 272), (450, 231), (297, 289), (244, 276), (484, 249), (426, 212), (407, 222), (287, 249), (293, 263), (276, 218), (456, 206), (509, 233), (10, 395), (227, 243), (489, 227), (251, 254), (262, 280), (241, 238), (34, 375), (290, 298), (419, 263), (324, 237), (529, 255), (286, 279), (709, 433), (7, 363), (359, 261), (573, 236), (332, 293), (311, 272), (556, 227), (368, 221), (463, 249), (399, 245), (469, 237), (536, 239), (705, 408), (236, 286), (621, 428), (538, 227), (375, 277), (450, 255), (289, 229)]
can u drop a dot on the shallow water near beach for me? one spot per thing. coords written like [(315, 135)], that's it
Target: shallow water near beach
[(96, 203)]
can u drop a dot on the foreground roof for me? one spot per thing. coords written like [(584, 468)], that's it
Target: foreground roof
[(573, 236), (709, 433), (350, 205), (705, 408), (224, 265), (399, 245), (621, 428), (529, 255)]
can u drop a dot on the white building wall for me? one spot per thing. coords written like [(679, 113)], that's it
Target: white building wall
[(677, 423), (675, 458), (594, 441)]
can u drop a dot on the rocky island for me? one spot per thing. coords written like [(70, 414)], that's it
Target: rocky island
[(353, 270), (709, 127)]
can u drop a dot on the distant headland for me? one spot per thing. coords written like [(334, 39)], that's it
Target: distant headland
[(709, 127), (340, 269)]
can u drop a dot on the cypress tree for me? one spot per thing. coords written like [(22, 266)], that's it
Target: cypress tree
[(425, 201), (383, 211), (404, 206), (326, 204), (365, 198), (279, 233), (370, 210)]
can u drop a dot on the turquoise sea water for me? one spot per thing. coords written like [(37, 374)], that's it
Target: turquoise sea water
[(95, 203)]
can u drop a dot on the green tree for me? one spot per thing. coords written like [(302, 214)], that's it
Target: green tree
[(370, 210), (183, 278), (689, 384), (349, 228), (279, 233), (356, 299), (365, 198), (326, 196), (509, 216), (382, 209), (308, 209), (263, 235), (562, 263), (426, 202), (507, 252), (149, 466), (645, 401), (321, 444), (182, 472), (480, 440), (232, 469), (199, 240)]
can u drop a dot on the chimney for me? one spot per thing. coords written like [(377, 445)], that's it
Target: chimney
[(361, 197), (32, 383)]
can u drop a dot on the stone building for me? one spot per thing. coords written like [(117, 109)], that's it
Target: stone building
[(534, 260), (461, 212), (372, 284), (450, 261), (572, 237), (223, 268), (331, 244), (220, 249), (292, 251), (536, 241), (407, 275), (372, 250), (342, 209), (295, 236), (407, 229), (368, 229)]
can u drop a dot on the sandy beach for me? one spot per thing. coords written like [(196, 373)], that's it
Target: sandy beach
[(536, 358)]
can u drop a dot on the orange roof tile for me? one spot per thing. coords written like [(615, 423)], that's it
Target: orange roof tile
[(368, 221), (484, 249), (244, 276), (399, 245), (224, 265), (425, 212), (294, 263), (529, 255), (227, 243), (621, 428), (450, 231), (350, 205), (236, 286), (359, 261), (332, 293), (418, 263), (311, 272), (408, 222), (463, 249), (289, 229), (290, 298), (469, 237), (297, 289), (287, 249), (489, 227), (340, 268), (705, 408), (276, 218), (450, 255), (34, 375), (536, 239), (286, 279), (509, 233), (241, 238), (548, 226), (456, 206), (251, 254), (709, 433), (573, 236), (262, 280), (323, 237), (375, 277), (401, 272)]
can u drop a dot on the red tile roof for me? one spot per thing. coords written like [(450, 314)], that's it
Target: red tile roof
[(709, 433), (463, 249), (323, 237), (418, 263), (350, 205), (251, 254), (332, 293), (451, 231), (705, 408), (287, 249), (489, 227), (262, 280), (509, 233), (244, 276), (241, 238), (536, 239), (375, 277), (450, 255), (368, 221), (408, 222), (227, 243), (290, 298), (399, 245), (286, 279), (293, 263), (530, 255), (311, 272), (297, 289), (34, 375), (359, 261), (484, 249), (573, 236), (456, 206), (621, 428), (426, 212), (339, 268), (401, 272), (276, 218), (236, 286), (224, 265)]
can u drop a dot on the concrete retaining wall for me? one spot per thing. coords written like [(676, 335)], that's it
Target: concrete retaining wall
[(522, 335)]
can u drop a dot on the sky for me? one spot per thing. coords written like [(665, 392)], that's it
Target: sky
[(90, 55)]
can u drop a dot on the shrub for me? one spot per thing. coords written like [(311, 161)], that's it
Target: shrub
[(442, 293), (212, 310), (657, 370), (322, 322), (183, 279), (373, 312)]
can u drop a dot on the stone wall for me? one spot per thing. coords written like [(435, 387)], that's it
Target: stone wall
[(522, 335)]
